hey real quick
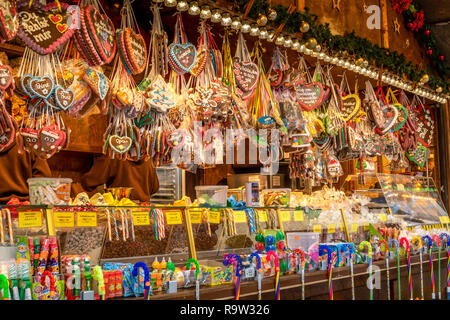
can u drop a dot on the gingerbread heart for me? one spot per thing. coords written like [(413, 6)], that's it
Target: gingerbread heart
[(97, 81), (102, 33), (51, 139), (402, 117), (275, 77), (377, 113), (120, 144), (351, 104), (246, 74), (390, 115), (42, 86), (6, 78), (9, 22), (309, 95), (202, 57), (160, 96), (183, 56), (424, 124), (418, 155), (136, 50), (38, 31), (30, 138), (64, 97), (25, 84)]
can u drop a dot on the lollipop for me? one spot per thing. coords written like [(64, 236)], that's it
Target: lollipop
[(447, 242), (404, 242), (229, 259), (397, 253), (135, 273), (302, 265), (386, 255), (48, 274), (351, 254), (270, 254), (259, 270), (437, 239), (429, 244), (369, 251), (197, 271), (330, 271), (419, 245)]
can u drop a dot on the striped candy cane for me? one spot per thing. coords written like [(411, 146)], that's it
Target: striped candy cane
[(386, 254), (405, 243), (447, 242), (437, 239)]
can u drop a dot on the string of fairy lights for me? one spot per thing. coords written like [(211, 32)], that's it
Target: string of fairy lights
[(360, 66)]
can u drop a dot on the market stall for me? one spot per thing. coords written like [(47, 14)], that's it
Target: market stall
[(295, 160)]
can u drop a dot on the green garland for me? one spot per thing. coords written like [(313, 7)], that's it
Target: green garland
[(351, 43)]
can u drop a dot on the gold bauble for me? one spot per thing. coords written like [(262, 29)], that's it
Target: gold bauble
[(425, 78), (311, 43), (439, 89), (262, 20), (272, 14), (359, 62), (304, 27)]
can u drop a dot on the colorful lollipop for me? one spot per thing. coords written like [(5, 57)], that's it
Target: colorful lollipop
[(197, 271), (386, 255), (330, 261), (447, 242), (270, 254), (351, 254), (429, 244), (437, 239), (302, 268), (4, 286), (48, 274), (397, 253), (419, 245), (404, 242), (259, 270), (369, 251), (98, 276), (135, 273), (229, 259)]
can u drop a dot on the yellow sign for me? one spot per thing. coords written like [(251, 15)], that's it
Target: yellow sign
[(298, 215), (64, 219), (240, 217), (444, 219), (196, 216), (30, 219), (331, 228), (262, 216), (366, 226), (317, 228), (354, 227), (382, 217), (214, 216), (141, 218), (285, 215), (341, 225), (87, 219), (173, 217)]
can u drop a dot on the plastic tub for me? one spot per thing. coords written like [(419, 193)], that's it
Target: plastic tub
[(212, 195), (49, 190), (276, 197)]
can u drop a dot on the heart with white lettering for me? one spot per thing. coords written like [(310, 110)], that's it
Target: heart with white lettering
[(351, 105), (376, 111), (418, 155), (202, 57), (246, 74), (102, 33), (98, 82), (9, 22), (64, 97), (183, 56), (37, 29), (424, 124), (25, 84), (390, 115), (6, 78), (42, 86), (120, 144), (275, 77), (136, 49), (309, 95), (402, 117)]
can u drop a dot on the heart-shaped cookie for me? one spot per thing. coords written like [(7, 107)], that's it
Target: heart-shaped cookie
[(309, 95), (97, 81), (424, 124), (25, 85), (64, 97), (402, 117), (136, 50), (390, 116), (202, 57), (102, 33), (38, 31), (51, 140), (9, 22), (351, 105), (160, 96), (183, 56), (6, 78), (42, 86), (120, 144), (246, 74), (276, 77), (376, 112), (418, 155), (30, 139)]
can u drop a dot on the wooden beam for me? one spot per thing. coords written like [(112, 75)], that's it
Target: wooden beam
[(247, 9), (385, 24), (301, 5)]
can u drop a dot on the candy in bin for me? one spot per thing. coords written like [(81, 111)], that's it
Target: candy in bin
[(249, 269)]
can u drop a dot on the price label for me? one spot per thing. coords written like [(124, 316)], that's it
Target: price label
[(87, 219), (141, 218), (262, 216), (298, 215), (341, 225), (30, 219), (331, 228), (173, 217), (214, 216), (196, 216), (354, 227), (317, 228), (285, 215), (366, 226), (444, 219), (64, 219), (240, 217), (383, 217)]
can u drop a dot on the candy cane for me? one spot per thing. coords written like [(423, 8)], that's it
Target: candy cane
[(429, 244), (386, 255), (48, 274), (330, 263), (419, 245), (351, 253), (130, 212), (369, 251), (135, 273), (229, 259), (447, 242), (397, 253), (259, 270), (197, 270), (404, 242), (270, 254), (98, 276), (252, 220), (113, 214), (4, 286), (437, 239), (302, 268)]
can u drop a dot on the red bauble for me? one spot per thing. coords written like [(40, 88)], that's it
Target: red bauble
[(259, 246), (441, 57), (427, 32), (429, 52), (280, 245), (410, 25)]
